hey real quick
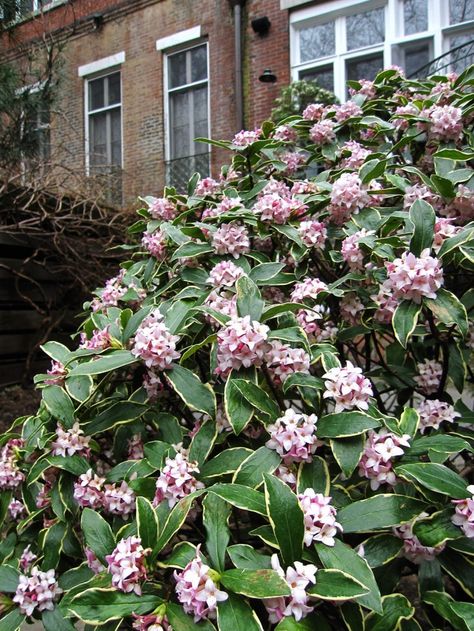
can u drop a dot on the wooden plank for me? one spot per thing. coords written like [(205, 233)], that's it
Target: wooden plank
[(29, 320), (18, 344), (14, 371), (38, 272)]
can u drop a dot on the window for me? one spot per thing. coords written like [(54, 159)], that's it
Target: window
[(35, 128), (104, 131), (12, 10), (187, 103), (341, 40)]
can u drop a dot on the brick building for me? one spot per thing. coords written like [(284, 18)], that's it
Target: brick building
[(140, 79)]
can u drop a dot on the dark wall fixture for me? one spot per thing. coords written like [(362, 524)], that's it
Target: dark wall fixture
[(261, 26)]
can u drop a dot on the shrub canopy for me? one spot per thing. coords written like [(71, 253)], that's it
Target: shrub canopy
[(265, 422)]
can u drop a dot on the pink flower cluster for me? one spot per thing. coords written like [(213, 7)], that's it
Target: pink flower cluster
[(386, 304), (197, 591), (119, 499), (245, 138), (296, 605), (37, 591), (313, 233), (57, 373), (446, 122), (153, 385), (154, 344), (293, 160), (207, 186), (367, 88), (348, 197), (225, 205), (357, 156), (232, 239), (111, 294), (314, 111), (348, 387), (376, 462), (412, 278), (444, 229), (177, 479), (224, 302), (71, 441), (16, 508), (283, 360), (429, 376), (151, 622), (351, 251), (225, 274), (88, 490), (347, 110), (413, 549), (434, 412), (293, 436), (416, 192), (155, 243), (308, 320), (285, 133), (319, 518), (273, 207), (93, 562), (135, 449), (99, 340), (308, 288), (162, 208), (27, 558), (10, 475), (126, 565), (241, 343), (464, 513), (322, 133)]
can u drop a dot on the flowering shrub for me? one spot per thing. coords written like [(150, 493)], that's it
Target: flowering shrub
[(264, 423)]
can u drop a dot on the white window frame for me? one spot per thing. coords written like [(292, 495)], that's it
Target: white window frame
[(166, 92), (97, 70), (438, 33)]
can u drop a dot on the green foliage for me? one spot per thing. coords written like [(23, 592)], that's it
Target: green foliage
[(266, 424), (295, 97)]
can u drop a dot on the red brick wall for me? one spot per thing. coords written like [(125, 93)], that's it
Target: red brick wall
[(268, 51), (134, 28)]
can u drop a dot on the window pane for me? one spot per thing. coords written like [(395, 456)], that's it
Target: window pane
[(25, 6), (98, 139), (416, 58), (463, 56), (96, 94), (461, 11), (365, 29), (199, 63), (317, 41), (415, 14), (324, 77), (177, 69), (180, 132), (364, 68), (116, 136), (114, 88), (200, 119)]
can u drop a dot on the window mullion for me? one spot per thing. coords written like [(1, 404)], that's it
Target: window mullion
[(437, 19), (339, 62)]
